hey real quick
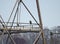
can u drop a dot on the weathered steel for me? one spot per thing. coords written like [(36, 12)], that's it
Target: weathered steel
[(15, 31), (40, 25)]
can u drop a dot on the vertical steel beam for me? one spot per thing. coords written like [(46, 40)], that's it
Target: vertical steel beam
[(40, 24)]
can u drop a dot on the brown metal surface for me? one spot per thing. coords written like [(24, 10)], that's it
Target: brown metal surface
[(40, 25)]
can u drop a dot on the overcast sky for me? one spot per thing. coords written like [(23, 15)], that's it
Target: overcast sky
[(50, 11)]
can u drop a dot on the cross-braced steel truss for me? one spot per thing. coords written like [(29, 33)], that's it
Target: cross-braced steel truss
[(12, 29)]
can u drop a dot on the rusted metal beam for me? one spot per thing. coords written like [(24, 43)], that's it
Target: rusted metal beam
[(40, 25)]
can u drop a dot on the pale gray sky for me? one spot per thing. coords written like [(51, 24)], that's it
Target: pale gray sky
[(50, 11)]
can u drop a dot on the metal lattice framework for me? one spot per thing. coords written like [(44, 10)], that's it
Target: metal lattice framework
[(6, 29)]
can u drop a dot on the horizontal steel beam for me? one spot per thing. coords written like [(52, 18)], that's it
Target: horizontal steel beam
[(19, 23), (18, 31)]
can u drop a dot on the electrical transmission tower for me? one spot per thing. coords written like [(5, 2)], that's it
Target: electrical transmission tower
[(14, 29)]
